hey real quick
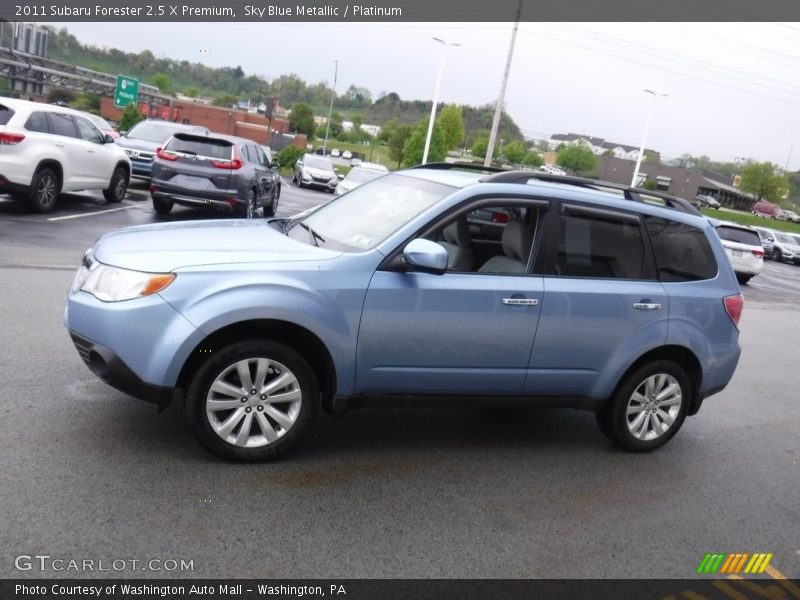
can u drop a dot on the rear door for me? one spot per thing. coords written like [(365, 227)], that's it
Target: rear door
[(100, 161), (602, 307), (71, 149), (199, 166)]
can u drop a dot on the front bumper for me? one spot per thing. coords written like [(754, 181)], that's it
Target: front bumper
[(111, 369)]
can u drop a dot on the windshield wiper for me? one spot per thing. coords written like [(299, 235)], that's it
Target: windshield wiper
[(314, 235)]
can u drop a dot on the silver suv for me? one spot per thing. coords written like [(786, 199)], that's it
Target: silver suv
[(47, 149)]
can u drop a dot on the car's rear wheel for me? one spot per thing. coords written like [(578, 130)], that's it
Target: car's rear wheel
[(252, 401), (649, 407), (119, 185), (44, 190), (161, 206), (250, 209), (743, 279)]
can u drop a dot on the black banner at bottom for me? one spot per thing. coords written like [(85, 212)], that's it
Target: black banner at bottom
[(408, 589)]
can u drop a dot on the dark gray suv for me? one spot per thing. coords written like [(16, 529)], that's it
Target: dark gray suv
[(214, 171)]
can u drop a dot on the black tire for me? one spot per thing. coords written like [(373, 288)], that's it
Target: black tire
[(252, 204), (45, 188), (118, 186), (162, 206), (743, 279), (281, 357), (271, 208), (777, 255), (613, 419)]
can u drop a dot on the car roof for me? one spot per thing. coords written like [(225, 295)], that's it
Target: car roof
[(371, 166), (734, 225), (17, 104)]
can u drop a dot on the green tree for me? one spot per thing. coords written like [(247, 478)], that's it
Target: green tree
[(481, 145), (192, 91), (336, 125), (225, 99), (415, 144), (514, 152), (357, 121), (764, 180), (86, 101), (162, 82), (533, 159), (289, 155), (301, 119), (130, 116), (387, 130), (576, 158), (451, 123), (543, 146), (397, 142)]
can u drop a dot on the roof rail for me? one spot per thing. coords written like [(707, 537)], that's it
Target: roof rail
[(445, 166), (629, 192)]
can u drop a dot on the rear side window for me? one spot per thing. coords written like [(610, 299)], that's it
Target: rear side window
[(682, 251), (741, 236), (200, 146), (61, 124), (37, 122), (5, 114), (599, 246)]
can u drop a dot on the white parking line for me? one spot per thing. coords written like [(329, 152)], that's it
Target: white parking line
[(89, 214)]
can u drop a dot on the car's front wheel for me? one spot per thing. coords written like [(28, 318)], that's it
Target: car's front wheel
[(742, 278), (649, 407), (44, 190), (271, 208), (252, 401), (777, 255), (119, 185)]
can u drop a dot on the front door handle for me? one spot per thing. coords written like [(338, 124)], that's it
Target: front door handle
[(646, 306), (520, 301)]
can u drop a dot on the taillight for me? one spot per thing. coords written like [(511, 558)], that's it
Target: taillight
[(11, 139), (734, 306), (164, 155), (498, 217), (758, 253), (153, 189), (227, 164)]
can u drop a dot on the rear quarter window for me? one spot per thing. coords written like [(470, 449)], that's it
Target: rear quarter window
[(682, 252), (37, 122), (5, 114), (200, 146)]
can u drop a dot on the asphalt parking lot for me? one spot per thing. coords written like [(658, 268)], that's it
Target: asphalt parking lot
[(89, 473)]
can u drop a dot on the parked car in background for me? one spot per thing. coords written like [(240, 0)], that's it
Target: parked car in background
[(315, 171), (702, 200), (335, 153), (552, 170), (104, 126), (213, 171), (787, 215), (354, 162), (142, 140), (347, 155), (766, 209), (765, 235), (275, 175), (785, 247), (359, 175), (47, 149), (589, 301), (743, 246)]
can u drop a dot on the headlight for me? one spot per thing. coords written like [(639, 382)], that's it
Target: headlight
[(113, 284)]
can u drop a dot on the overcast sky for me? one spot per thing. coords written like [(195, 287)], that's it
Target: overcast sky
[(733, 89)]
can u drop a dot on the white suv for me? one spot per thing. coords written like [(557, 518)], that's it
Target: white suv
[(47, 149)]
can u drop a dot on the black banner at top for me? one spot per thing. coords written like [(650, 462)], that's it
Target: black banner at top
[(150, 11)]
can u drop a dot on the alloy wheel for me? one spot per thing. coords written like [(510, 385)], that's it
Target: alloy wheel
[(654, 406), (46, 191)]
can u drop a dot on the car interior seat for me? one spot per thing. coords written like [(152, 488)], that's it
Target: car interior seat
[(457, 243), (516, 242)]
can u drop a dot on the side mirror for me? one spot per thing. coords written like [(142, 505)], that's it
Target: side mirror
[(123, 133), (275, 164), (340, 176), (107, 139), (426, 256), (299, 163)]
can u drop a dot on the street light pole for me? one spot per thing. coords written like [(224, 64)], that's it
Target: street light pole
[(435, 98), (644, 135), (330, 110)]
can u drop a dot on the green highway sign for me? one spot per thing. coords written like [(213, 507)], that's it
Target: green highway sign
[(127, 91)]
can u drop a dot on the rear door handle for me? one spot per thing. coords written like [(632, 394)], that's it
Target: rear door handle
[(646, 306), (520, 301)]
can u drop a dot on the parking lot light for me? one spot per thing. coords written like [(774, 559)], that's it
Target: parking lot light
[(644, 135)]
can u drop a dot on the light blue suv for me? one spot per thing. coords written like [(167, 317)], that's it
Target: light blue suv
[(437, 283)]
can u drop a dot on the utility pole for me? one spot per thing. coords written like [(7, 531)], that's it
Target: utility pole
[(429, 135), (501, 100), (330, 110)]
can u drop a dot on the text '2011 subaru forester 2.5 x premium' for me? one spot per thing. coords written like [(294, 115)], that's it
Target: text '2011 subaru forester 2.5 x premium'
[(434, 283)]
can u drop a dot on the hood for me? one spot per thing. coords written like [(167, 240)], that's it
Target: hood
[(314, 172), (134, 144), (161, 248)]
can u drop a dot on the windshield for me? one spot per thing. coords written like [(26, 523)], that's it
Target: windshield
[(363, 175), (363, 218), (318, 163), (784, 238), (151, 132)]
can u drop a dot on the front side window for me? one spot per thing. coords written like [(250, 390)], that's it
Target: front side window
[(366, 216), (598, 244), (88, 131), (682, 252)]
